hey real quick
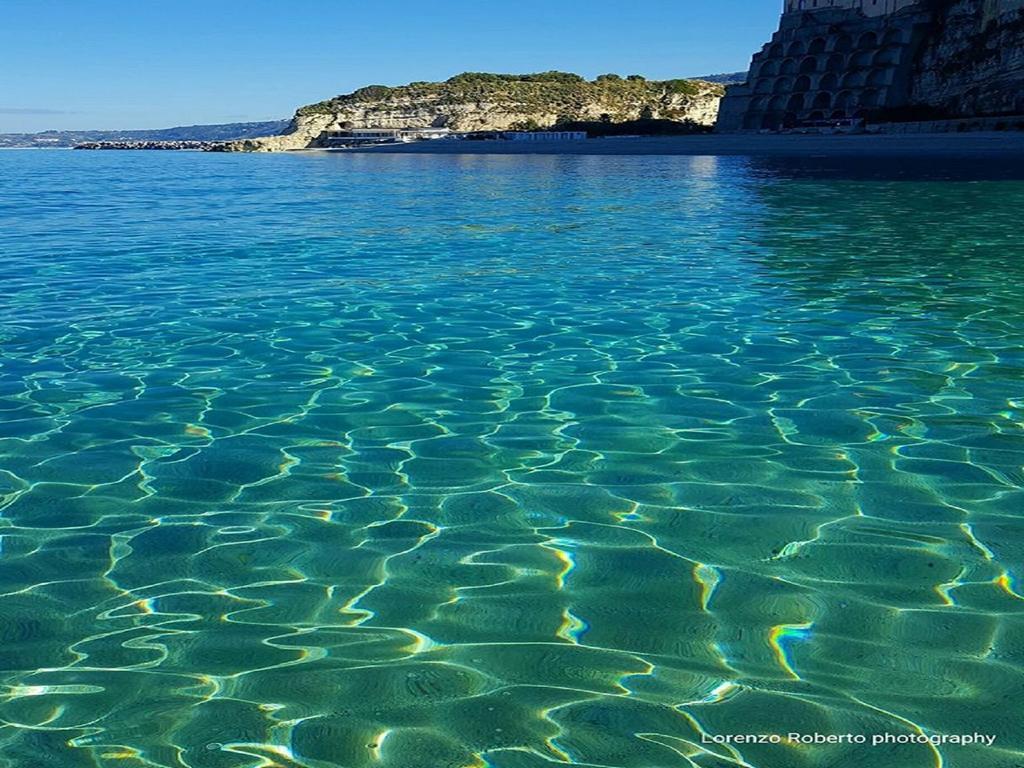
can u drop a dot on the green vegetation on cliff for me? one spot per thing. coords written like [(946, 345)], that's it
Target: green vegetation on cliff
[(561, 93)]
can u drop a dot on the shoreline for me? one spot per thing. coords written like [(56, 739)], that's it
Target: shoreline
[(981, 144)]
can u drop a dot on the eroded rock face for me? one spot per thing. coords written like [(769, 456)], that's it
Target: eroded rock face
[(973, 63), (303, 132), (501, 105)]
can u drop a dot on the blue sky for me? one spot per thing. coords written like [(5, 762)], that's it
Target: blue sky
[(146, 64)]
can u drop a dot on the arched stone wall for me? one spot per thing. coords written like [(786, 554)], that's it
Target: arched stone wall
[(829, 82), (869, 98), (854, 79), (836, 63), (822, 101), (843, 100), (867, 40), (878, 77), (862, 58), (783, 85), (887, 56), (752, 121), (893, 37)]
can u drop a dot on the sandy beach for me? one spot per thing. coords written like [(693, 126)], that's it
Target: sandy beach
[(994, 144)]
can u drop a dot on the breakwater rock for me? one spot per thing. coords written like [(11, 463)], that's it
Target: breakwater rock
[(204, 146)]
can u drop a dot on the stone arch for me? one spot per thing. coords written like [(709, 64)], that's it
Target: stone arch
[(854, 79), (802, 84), (789, 67), (843, 100), (760, 103), (829, 81), (764, 85), (796, 48), (878, 77), (816, 115), (839, 114), (862, 59), (823, 100), (778, 103), (768, 122), (869, 98), (836, 63), (789, 120), (795, 103), (770, 68), (887, 56), (783, 85), (817, 45), (867, 40), (842, 43), (775, 50), (752, 121), (810, 64), (893, 37)]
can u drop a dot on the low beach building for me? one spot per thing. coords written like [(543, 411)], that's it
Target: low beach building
[(355, 136), (544, 135)]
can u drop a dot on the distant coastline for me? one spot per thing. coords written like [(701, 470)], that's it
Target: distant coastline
[(181, 133)]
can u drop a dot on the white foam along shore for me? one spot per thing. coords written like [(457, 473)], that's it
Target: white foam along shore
[(995, 144)]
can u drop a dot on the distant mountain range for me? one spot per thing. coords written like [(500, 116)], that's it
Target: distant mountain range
[(223, 132)]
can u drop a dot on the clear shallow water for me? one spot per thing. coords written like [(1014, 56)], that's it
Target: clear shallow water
[(448, 461)]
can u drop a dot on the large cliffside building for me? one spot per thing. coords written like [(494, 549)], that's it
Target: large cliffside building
[(867, 7), (883, 59), (829, 59)]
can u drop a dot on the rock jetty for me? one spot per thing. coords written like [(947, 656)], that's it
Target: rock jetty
[(203, 146)]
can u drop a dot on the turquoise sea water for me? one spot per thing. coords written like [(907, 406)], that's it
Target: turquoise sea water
[(451, 461)]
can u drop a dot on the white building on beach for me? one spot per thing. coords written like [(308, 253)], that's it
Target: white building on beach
[(384, 135)]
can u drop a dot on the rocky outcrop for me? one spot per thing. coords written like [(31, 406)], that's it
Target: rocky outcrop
[(486, 102), (972, 63)]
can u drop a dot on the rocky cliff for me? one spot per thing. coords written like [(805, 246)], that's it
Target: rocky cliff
[(972, 63), (487, 102)]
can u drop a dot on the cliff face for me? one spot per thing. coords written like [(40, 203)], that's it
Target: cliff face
[(973, 62), (925, 60), (484, 102)]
